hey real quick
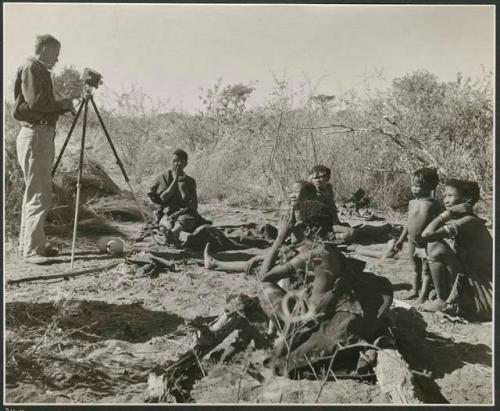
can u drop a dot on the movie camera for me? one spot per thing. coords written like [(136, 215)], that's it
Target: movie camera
[(91, 77)]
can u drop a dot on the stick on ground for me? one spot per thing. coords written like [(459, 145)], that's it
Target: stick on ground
[(64, 275)]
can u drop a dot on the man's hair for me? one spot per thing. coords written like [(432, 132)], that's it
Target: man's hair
[(307, 190), (315, 216), (428, 176), (44, 40), (182, 154), (467, 189), (320, 168)]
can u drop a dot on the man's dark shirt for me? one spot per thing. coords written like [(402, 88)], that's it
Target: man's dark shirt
[(34, 95)]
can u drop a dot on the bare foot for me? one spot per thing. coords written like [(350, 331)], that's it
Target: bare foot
[(421, 299), (208, 260), (433, 306), (411, 296)]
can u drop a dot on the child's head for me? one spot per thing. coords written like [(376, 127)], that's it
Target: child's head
[(301, 190), (314, 217), (320, 175), (460, 191), (423, 181), (179, 159)]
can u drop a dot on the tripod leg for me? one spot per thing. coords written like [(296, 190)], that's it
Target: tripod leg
[(78, 183), (120, 164), (59, 157)]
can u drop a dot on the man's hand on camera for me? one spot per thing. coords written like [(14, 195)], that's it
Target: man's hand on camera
[(67, 105)]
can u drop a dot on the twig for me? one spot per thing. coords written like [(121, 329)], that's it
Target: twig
[(312, 368), (64, 275), (326, 376)]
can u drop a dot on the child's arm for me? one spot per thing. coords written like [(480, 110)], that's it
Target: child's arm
[(399, 242), (398, 245)]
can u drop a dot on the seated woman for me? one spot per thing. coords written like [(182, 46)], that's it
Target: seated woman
[(299, 191), (467, 265), (342, 306)]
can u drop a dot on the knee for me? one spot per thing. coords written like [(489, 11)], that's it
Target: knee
[(436, 252), (38, 203)]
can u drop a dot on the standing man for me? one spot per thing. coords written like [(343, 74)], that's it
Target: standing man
[(37, 110)]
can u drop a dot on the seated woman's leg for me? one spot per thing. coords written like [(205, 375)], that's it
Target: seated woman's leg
[(368, 232), (343, 233), (443, 266), (211, 263), (185, 223)]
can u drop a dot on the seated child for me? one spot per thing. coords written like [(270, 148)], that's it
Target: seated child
[(299, 191), (421, 210), (342, 232), (175, 192), (470, 260), (339, 308)]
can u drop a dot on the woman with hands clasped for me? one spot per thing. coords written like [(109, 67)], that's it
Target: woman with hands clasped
[(468, 261)]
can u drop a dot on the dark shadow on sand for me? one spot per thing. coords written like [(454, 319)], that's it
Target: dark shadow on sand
[(81, 257), (127, 322), (401, 287), (427, 351)]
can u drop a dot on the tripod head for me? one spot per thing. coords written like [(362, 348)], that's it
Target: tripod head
[(87, 92), (91, 80)]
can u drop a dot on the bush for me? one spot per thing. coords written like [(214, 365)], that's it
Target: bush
[(249, 156)]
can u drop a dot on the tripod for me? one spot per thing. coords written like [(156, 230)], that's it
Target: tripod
[(86, 97)]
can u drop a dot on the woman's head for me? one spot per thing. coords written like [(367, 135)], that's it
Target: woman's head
[(460, 191), (314, 217), (301, 190)]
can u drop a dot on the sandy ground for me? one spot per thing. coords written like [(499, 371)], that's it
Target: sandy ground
[(95, 338)]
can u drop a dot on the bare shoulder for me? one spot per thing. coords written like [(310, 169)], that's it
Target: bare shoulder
[(420, 204), (413, 204)]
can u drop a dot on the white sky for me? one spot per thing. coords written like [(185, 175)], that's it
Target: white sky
[(171, 50)]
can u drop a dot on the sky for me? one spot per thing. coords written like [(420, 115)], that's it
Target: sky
[(169, 51)]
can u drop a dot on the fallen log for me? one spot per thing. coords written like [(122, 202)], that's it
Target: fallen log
[(64, 275), (219, 341), (395, 378)]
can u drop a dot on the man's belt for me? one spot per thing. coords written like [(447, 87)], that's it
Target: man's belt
[(41, 122)]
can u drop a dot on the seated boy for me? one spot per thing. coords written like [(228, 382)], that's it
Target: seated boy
[(175, 192), (469, 263), (421, 210)]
